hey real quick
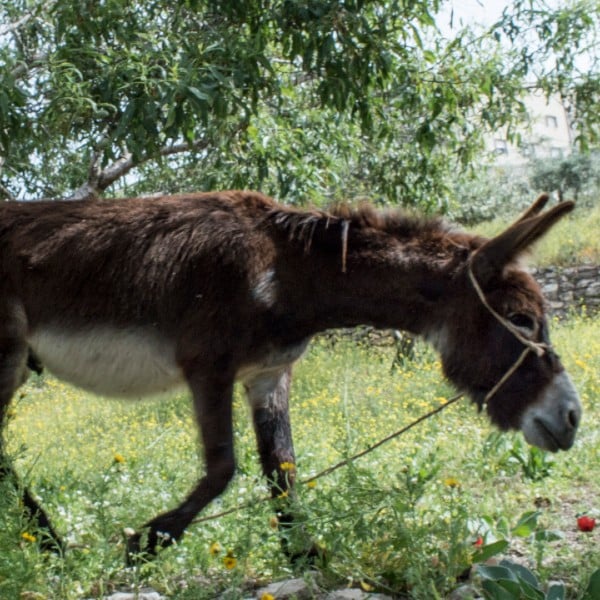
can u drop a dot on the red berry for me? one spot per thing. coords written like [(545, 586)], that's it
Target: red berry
[(585, 523)]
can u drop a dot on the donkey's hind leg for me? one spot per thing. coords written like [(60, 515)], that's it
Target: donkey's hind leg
[(268, 394), (13, 371)]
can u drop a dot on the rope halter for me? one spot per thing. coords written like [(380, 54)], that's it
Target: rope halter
[(539, 348)]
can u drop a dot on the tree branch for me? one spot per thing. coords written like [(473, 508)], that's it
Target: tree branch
[(26, 65), (98, 180), (5, 193), (9, 27)]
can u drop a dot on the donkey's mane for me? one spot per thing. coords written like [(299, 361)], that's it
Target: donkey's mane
[(396, 221), (301, 224)]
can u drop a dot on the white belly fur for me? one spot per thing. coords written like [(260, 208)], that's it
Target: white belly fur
[(109, 361)]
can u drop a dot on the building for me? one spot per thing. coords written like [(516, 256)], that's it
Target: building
[(548, 134)]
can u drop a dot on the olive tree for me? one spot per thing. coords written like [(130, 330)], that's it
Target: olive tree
[(569, 175), (305, 100)]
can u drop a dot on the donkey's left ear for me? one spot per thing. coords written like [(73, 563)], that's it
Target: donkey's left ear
[(535, 209), (491, 258)]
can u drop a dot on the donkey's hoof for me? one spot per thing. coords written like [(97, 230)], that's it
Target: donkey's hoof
[(50, 542), (143, 547), (313, 555), (134, 554)]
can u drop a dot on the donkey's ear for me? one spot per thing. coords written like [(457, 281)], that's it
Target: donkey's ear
[(535, 208), (495, 254)]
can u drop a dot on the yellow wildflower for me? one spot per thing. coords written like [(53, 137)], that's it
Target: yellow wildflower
[(229, 561), (119, 458), (214, 549), (28, 537), (267, 596), (287, 466), (311, 484), (284, 494), (452, 482)]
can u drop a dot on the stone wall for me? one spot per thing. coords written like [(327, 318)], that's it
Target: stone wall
[(569, 289)]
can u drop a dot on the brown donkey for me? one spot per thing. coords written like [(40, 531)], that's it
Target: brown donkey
[(133, 297)]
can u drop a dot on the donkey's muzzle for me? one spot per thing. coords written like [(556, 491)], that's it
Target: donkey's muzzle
[(552, 422)]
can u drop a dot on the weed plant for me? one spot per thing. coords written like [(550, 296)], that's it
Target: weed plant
[(407, 519)]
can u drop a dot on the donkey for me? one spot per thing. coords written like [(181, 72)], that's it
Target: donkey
[(135, 296)]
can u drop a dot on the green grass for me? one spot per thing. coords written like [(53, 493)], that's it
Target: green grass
[(402, 519), (574, 240)]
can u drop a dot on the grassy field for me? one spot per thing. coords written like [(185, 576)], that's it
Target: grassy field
[(405, 519)]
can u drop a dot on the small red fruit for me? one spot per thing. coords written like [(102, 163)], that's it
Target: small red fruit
[(585, 523)]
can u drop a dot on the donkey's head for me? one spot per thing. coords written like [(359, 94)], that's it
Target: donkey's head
[(496, 345)]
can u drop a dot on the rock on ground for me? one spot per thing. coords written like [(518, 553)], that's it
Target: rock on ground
[(289, 589), (301, 589), (144, 594)]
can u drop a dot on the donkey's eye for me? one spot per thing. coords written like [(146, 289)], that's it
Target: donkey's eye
[(522, 321)]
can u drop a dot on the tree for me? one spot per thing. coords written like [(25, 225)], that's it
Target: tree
[(306, 100), (564, 175)]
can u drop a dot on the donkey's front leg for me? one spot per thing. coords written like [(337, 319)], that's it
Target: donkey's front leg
[(212, 403), (268, 394)]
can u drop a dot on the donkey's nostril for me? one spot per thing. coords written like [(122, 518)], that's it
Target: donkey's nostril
[(573, 418)]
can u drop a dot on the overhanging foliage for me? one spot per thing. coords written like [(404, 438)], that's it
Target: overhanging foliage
[(305, 100)]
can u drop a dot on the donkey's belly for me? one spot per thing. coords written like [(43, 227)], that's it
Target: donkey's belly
[(108, 361)]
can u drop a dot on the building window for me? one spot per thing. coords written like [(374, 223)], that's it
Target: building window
[(500, 146), (527, 150), (551, 121)]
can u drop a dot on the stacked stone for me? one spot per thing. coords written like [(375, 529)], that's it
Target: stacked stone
[(570, 289)]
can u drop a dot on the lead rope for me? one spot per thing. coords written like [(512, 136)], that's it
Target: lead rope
[(340, 464), (539, 348)]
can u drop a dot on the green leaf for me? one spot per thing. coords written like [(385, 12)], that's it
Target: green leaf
[(548, 535), (556, 592), (485, 552), (495, 573), (199, 95), (429, 56), (530, 592), (493, 591), (526, 524), (593, 589), (520, 571), (503, 527), (513, 587)]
